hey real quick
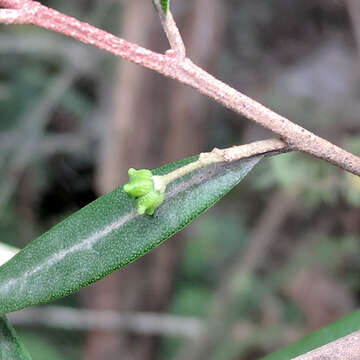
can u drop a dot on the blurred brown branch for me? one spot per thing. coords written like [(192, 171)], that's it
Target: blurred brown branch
[(144, 323), (137, 322)]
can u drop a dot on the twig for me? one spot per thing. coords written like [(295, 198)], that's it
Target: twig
[(186, 72), (234, 153), (142, 323), (345, 348), (255, 148), (13, 4), (172, 32)]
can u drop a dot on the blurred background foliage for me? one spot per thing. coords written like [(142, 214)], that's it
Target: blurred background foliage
[(278, 257)]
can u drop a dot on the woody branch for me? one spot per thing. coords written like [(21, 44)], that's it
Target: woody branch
[(183, 70)]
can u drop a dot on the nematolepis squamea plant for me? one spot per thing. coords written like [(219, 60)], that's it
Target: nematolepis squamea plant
[(115, 230)]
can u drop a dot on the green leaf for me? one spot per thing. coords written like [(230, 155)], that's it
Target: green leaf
[(108, 234), (10, 346), (323, 336)]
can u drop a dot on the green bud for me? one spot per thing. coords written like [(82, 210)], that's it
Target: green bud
[(149, 202), (140, 183), (141, 187)]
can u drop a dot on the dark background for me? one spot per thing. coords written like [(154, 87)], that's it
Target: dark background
[(277, 257)]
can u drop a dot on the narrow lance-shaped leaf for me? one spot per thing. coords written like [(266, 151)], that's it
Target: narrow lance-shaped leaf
[(109, 233), (10, 346), (342, 327)]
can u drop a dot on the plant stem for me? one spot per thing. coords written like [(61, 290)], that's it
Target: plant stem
[(225, 155), (186, 72), (171, 30)]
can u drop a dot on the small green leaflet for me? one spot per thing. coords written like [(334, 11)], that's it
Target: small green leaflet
[(109, 233), (10, 346), (163, 3)]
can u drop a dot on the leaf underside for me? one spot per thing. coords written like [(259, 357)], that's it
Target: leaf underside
[(10, 346), (108, 234), (323, 336)]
